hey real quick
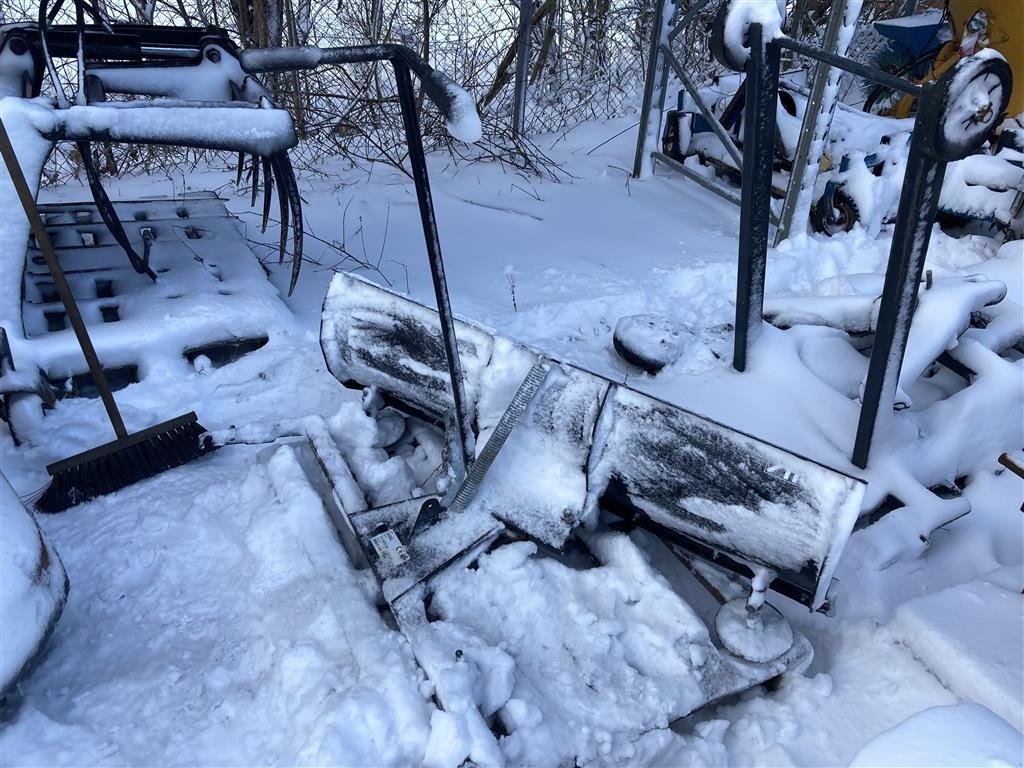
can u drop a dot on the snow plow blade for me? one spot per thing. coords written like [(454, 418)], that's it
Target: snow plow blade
[(588, 444)]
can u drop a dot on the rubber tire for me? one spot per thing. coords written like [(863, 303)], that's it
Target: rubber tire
[(724, 54), (933, 113), (822, 214)]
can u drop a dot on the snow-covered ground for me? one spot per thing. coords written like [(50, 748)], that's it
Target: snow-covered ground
[(214, 619)]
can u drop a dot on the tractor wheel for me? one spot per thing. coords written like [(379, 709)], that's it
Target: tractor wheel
[(838, 217), (971, 100)]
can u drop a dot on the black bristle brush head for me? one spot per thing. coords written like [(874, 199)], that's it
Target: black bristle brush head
[(118, 464)]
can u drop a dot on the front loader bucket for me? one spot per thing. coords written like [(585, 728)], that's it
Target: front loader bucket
[(588, 444)]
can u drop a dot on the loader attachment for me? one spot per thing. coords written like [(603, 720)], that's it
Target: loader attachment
[(587, 444)]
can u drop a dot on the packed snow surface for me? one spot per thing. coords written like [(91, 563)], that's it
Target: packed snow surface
[(959, 735)]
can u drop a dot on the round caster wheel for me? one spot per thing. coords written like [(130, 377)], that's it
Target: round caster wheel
[(758, 637), (650, 342)]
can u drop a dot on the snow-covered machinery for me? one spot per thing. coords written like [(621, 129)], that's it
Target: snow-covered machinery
[(863, 157), (533, 447)]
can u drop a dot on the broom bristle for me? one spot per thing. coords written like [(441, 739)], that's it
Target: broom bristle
[(121, 463)]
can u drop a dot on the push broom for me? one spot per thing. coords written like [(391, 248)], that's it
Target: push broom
[(131, 457)]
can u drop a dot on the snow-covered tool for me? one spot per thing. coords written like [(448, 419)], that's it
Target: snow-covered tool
[(569, 451), (131, 457), (191, 76), (590, 444)]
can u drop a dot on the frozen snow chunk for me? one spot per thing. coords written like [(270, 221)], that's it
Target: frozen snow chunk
[(462, 118), (601, 654), (739, 15), (971, 637), (649, 342), (943, 313), (448, 743)]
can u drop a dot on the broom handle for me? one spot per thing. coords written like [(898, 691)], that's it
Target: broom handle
[(60, 281)]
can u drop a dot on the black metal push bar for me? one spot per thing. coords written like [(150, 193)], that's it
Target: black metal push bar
[(945, 130), (441, 90), (436, 85)]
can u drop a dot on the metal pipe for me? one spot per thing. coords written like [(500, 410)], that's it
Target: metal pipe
[(849, 65), (675, 165), (463, 449), (655, 85), (803, 164), (919, 204), (688, 17), (436, 85), (522, 66)]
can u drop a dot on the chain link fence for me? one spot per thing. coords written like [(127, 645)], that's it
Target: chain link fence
[(581, 60)]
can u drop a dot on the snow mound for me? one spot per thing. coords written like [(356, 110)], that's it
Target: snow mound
[(959, 735), (33, 587), (601, 654), (216, 621)]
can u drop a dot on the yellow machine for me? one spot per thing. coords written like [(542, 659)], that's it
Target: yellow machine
[(979, 24)]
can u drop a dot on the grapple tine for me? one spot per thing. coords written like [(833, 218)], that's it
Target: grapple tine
[(282, 204), (254, 177), (267, 193), (241, 168), (295, 202)]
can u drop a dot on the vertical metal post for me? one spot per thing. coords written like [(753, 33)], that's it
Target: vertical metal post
[(463, 449), (814, 129), (919, 204), (655, 85), (522, 66), (756, 192)]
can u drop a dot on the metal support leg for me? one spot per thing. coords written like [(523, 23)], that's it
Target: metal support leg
[(815, 128), (919, 204), (462, 450), (655, 85), (522, 66), (758, 157)]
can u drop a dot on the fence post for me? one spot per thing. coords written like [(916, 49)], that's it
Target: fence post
[(522, 66), (817, 123), (655, 85)]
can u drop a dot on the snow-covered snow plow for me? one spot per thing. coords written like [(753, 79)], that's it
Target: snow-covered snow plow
[(580, 443), (564, 456)]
